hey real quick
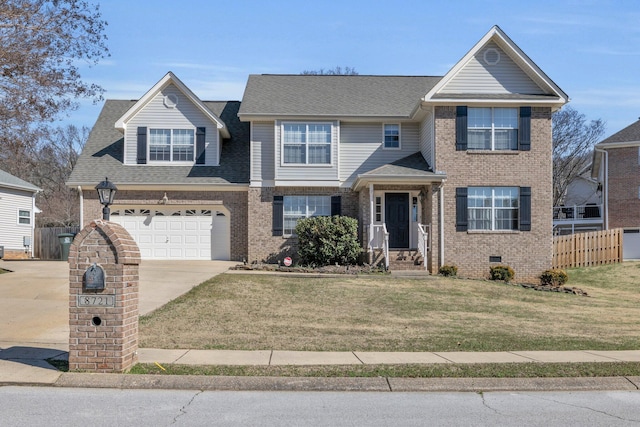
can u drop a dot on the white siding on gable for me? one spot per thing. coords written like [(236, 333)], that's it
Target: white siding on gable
[(492, 71), (184, 115), (426, 139), (262, 151), (361, 147), (11, 232)]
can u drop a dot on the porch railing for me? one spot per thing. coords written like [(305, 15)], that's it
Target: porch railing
[(380, 240), (577, 213), (423, 241)]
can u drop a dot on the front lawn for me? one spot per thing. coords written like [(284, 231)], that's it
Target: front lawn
[(383, 313)]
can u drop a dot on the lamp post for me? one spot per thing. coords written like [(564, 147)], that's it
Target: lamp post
[(106, 192)]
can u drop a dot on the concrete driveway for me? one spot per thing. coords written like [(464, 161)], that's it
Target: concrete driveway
[(34, 297)]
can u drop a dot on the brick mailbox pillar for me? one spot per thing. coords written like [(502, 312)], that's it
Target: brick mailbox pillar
[(103, 299)]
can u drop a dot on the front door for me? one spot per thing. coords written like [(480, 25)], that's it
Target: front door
[(396, 214)]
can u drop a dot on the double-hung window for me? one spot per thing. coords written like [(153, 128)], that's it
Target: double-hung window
[(392, 135), (306, 143), (492, 129), (171, 145), (492, 208), (24, 217), (298, 207)]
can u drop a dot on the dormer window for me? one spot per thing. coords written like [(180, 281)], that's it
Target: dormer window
[(171, 145)]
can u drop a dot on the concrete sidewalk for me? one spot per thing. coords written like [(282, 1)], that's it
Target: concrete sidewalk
[(26, 366)]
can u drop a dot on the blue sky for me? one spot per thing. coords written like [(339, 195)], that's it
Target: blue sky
[(591, 49)]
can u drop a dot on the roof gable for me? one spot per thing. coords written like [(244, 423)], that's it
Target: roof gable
[(630, 134), (9, 181), (170, 79), (496, 68)]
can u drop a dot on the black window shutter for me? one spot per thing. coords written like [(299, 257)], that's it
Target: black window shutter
[(278, 213), (461, 128), (524, 131), (336, 205), (142, 146), (525, 208), (461, 209), (200, 137)]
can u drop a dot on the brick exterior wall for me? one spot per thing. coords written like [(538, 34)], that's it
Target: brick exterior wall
[(110, 344), (265, 247), (624, 181), (233, 202), (529, 253)]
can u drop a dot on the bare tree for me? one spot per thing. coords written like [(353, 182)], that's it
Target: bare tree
[(573, 141), (55, 158), (41, 45), (347, 71)]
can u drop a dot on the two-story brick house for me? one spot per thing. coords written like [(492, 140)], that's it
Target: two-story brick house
[(456, 167), (616, 166)]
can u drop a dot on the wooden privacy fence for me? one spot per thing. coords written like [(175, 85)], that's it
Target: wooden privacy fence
[(587, 249), (46, 245)]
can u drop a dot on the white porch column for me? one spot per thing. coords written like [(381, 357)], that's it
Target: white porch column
[(371, 212)]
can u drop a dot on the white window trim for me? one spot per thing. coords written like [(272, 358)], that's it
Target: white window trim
[(332, 146), (171, 162), (493, 209), (27, 217), (306, 196), (493, 130), (384, 145)]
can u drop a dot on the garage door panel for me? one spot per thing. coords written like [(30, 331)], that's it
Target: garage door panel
[(185, 234)]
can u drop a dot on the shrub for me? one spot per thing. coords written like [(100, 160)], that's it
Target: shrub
[(554, 278), (448, 270), (501, 272), (324, 240)]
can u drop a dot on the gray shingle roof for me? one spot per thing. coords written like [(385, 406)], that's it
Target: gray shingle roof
[(334, 95), (412, 165), (10, 181), (629, 134), (103, 153)]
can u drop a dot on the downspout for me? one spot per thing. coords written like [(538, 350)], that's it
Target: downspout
[(33, 223), (371, 209), (81, 207), (605, 189), (441, 215)]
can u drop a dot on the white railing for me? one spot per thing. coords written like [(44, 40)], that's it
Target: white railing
[(577, 213), (423, 241), (380, 240)]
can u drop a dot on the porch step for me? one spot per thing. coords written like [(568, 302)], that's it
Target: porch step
[(405, 260)]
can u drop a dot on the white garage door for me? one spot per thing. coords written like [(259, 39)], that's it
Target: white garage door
[(164, 233)]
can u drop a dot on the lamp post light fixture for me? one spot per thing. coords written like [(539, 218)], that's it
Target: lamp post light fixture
[(106, 192)]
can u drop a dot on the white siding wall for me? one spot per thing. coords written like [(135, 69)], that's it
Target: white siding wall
[(262, 151), (426, 139), (307, 173), (184, 115), (479, 77), (12, 233), (361, 147)]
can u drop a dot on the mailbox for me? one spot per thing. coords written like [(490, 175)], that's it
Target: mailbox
[(94, 277)]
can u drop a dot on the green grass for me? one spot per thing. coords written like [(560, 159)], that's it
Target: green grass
[(497, 370), (383, 313)]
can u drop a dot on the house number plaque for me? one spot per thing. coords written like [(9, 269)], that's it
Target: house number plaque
[(96, 300)]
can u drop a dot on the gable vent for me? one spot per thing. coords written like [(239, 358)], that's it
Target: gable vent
[(491, 56)]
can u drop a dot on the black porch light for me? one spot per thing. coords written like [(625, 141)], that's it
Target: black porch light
[(106, 192)]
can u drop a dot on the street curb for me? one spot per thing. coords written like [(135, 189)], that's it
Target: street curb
[(378, 384)]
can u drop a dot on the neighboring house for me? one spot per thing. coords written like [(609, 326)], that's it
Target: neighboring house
[(437, 170), (616, 165), (582, 208), (17, 216)]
